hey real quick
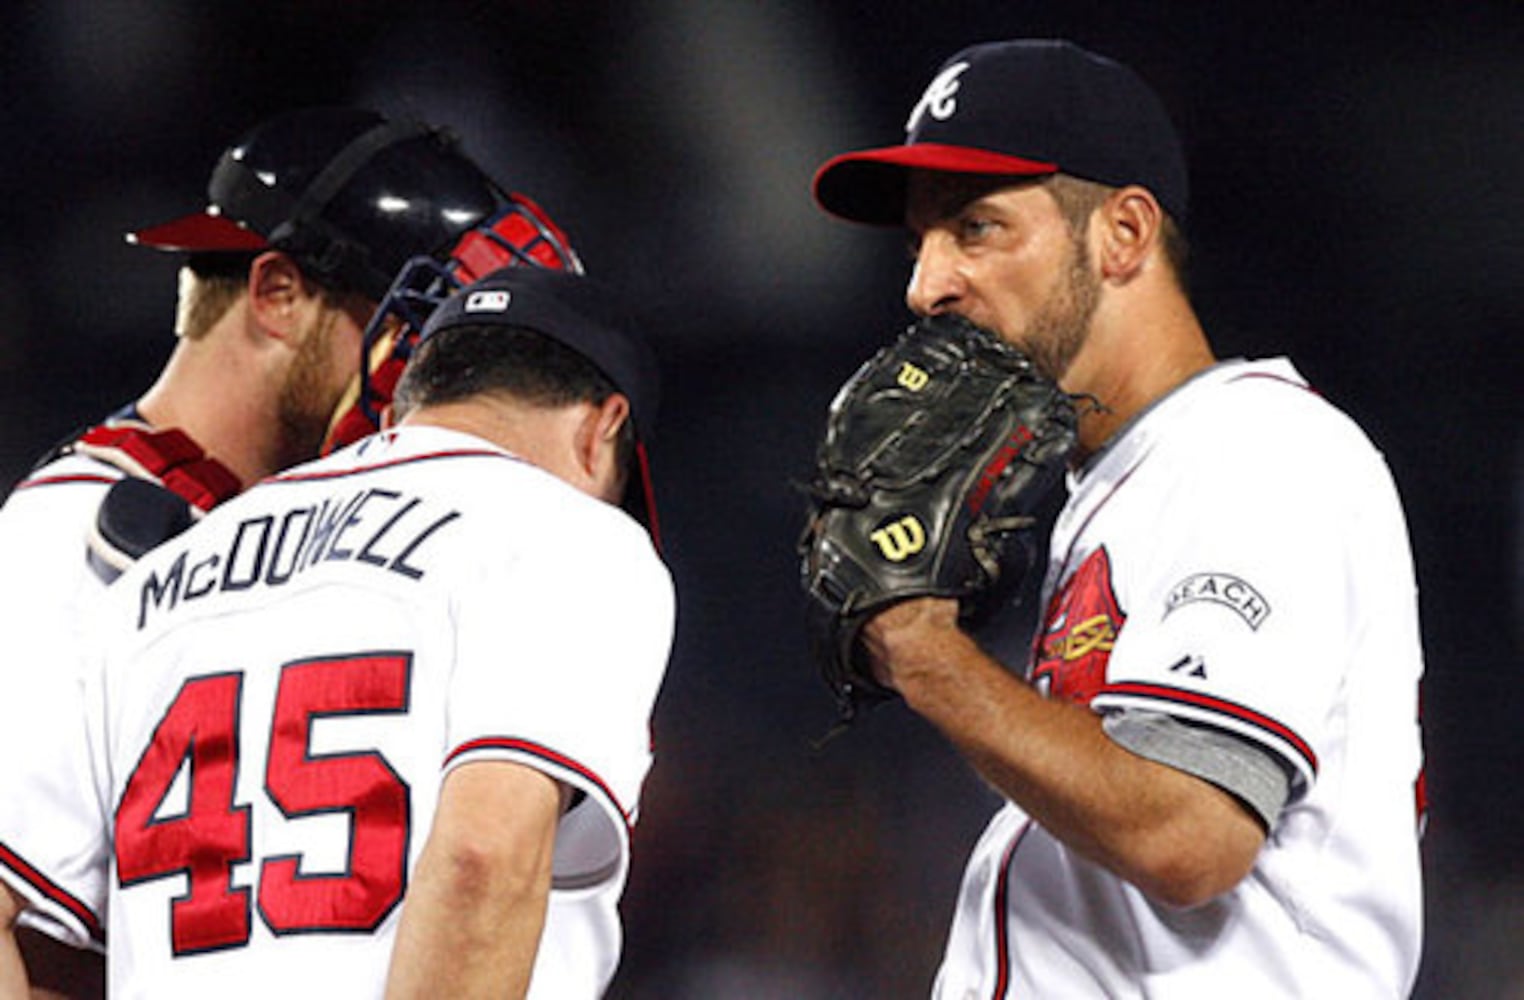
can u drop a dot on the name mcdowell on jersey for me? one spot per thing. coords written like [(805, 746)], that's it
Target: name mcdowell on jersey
[(374, 527)]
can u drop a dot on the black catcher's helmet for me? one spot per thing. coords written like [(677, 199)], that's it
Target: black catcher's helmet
[(390, 209), (350, 195)]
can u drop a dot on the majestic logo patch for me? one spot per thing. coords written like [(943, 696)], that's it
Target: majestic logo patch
[(1079, 631), (939, 100), (1220, 588), (899, 540), (487, 301), (1192, 665)]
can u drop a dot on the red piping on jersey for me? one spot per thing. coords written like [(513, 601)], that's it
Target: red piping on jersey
[(648, 495), (308, 477), (543, 753), (44, 885), (1002, 915), (65, 480), (1164, 692), (1080, 532), (1275, 378)]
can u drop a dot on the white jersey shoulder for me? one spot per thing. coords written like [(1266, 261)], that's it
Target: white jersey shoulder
[(50, 594)]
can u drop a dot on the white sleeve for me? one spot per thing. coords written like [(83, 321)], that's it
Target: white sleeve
[(560, 653), (52, 846), (1239, 617), (54, 834)]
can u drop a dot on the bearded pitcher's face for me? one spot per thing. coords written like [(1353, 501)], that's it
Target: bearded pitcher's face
[(999, 252)]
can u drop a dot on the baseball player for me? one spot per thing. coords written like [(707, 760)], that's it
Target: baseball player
[(301, 239), (382, 721), (1211, 763)]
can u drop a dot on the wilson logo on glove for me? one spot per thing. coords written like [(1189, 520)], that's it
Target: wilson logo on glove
[(900, 540), (913, 378)]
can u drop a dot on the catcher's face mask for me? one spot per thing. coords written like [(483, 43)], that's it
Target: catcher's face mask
[(520, 235)]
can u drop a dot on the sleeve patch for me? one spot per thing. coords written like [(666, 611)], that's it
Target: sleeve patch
[(1231, 592)]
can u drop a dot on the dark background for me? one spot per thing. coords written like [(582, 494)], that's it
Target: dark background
[(1356, 205)]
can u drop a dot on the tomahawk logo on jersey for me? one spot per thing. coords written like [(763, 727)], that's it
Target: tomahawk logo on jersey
[(266, 736), (1078, 633)]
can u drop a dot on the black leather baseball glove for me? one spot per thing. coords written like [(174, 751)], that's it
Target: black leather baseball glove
[(937, 453)]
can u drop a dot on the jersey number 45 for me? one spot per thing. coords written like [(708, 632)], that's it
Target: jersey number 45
[(199, 734)]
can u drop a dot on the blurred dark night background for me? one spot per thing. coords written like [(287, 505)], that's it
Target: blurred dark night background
[(1356, 205)]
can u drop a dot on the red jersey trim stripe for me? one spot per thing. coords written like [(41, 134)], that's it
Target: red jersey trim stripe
[(541, 752), (309, 477), (53, 892), (1003, 915), (1162, 692), (1275, 377), (64, 480)]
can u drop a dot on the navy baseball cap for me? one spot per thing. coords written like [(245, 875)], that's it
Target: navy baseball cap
[(572, 310), (584, 315), (1029, 107)]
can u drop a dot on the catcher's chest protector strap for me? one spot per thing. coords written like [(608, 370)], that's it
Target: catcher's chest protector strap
[(169, 458)]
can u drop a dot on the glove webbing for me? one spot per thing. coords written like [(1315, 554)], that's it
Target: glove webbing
[(169, 458)]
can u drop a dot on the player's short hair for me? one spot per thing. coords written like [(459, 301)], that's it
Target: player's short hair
[(212, 282), (1078, 199), (207, 292), (459, 362)]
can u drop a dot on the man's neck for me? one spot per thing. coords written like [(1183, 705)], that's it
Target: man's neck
[(1130, 361), (219, 399)]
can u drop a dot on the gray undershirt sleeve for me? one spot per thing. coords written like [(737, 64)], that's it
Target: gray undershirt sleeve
[(1243, 769)]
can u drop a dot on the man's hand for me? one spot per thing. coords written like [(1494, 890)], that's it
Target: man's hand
[(898, 636)]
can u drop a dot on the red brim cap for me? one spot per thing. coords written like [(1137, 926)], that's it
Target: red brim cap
[(870, 185), (199, 233)]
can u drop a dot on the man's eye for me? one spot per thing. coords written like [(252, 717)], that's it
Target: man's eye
[(974, 229)]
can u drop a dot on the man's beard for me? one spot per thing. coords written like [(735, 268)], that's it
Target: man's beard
[(1059, 328), (309, 394)]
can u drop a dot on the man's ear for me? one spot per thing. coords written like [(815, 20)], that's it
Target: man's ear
[(1131, 225), (277, 292), (597, 440), (612, 413)]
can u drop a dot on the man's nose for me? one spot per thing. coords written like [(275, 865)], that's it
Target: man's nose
[(936, 283)]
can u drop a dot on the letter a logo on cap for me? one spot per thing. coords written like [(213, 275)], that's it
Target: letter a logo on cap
[(493, 301), (938, 101)]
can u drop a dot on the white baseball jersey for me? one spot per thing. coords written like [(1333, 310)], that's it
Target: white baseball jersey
[(49, 592), (284, 689), (1230, 585)]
